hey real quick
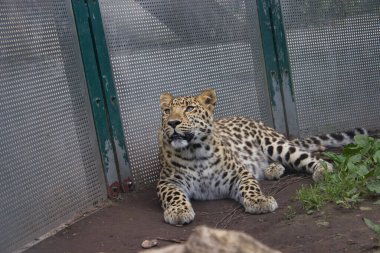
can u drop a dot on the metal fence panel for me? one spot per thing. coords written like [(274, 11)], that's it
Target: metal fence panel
[(50, 168), (334, 49), (181, 47)]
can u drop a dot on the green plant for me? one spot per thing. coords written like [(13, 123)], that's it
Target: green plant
[(356, 176), (374, 227), (290, 213)]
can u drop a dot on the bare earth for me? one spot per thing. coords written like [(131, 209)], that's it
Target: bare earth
[(123, 225)]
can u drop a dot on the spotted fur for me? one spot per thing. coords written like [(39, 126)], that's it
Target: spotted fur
[(205, 159)]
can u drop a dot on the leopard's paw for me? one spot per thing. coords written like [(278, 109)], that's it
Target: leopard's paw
[(179, 214), (260, 204), (321, 168), (274, 171)]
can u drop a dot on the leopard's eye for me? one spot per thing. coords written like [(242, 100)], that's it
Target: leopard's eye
[(189, 108), (167, 111)]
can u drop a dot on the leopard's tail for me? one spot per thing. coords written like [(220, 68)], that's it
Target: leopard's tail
[(334, 140)]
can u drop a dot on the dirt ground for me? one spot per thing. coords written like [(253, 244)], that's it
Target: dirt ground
[(123, 225)]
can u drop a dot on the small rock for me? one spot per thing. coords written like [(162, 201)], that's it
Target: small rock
[(322, 223), (207, 240), (147, 244), (365, 208)]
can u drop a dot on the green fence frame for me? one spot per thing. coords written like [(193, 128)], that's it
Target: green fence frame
[(103, 96)]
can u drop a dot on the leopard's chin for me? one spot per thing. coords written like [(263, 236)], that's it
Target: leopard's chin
[(179, 143)]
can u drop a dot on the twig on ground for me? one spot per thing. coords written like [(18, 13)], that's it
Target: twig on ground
[(212, 213), (228, 218), (283, 183), (171, 240)]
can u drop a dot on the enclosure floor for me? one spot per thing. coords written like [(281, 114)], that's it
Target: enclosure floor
[(123, 225)]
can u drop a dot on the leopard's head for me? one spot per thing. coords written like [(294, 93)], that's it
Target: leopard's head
[(187, 120)]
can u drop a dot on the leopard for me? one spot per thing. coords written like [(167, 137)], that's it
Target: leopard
[(203, 158)]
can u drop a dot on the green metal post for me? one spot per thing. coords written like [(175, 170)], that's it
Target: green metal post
[(271, 65), (278, 67), (108, 85), (98, 103), (284, 69)]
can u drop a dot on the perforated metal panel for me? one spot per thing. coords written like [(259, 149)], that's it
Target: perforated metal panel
[(334, 49), (181, 47), (49, 167)]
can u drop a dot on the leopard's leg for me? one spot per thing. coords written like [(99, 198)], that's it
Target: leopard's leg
[(176, 204), (290, 155), (320, 169), (249, 194), (274, 171)]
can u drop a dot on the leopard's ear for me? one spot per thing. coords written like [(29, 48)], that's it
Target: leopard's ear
[(208, 99), (165, 100)]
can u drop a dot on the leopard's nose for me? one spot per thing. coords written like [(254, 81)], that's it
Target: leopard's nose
[(174, 123)]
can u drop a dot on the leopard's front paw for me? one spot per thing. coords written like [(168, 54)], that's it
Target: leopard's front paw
[(321, 168), (260, 204), (179, 214), (274, 171)]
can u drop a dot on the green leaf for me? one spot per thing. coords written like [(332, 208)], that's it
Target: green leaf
[(362, 170), (374, 186), (376, 156), (370, 174), (355, 158), (361, 140), (353, 199), (353, 191), (376, 144), (374, 227), (336, 158), (351, 149)]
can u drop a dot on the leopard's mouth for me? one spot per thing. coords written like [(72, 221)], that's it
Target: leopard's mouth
[(177, 137)]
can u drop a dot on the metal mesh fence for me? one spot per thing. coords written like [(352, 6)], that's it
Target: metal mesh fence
[(49, 166), (334, 49), (181, 47)]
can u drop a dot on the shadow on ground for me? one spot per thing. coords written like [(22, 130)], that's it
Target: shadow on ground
[(123, 225)]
